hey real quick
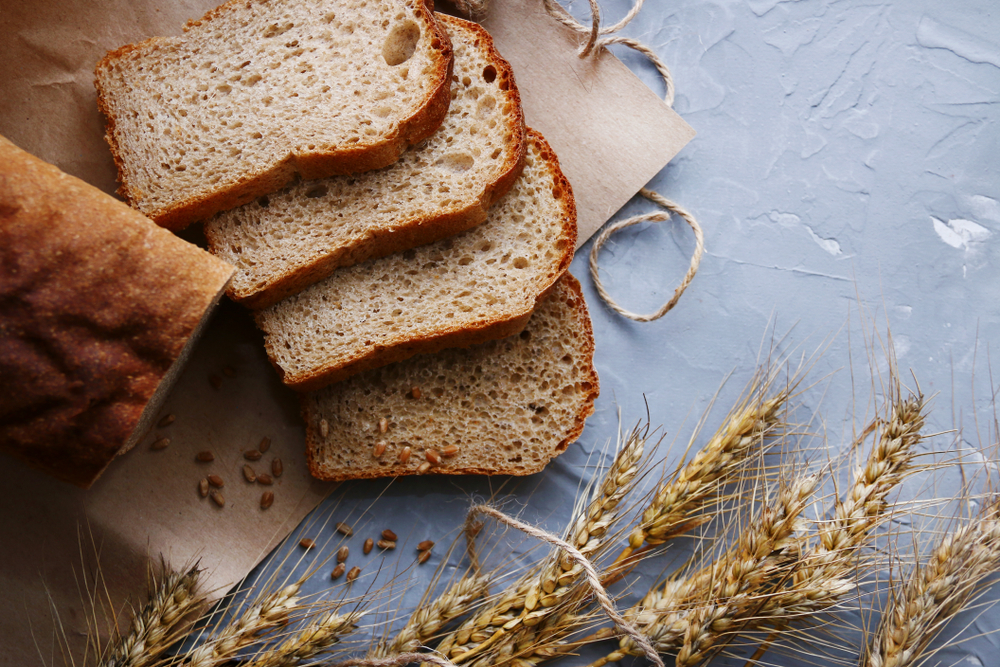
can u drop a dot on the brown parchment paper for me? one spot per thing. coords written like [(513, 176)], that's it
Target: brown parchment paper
[(612, 135)]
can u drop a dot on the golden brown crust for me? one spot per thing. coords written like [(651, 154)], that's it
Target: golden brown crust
[(458, 336), (358, 158), (413, 232), (96, 304), (591, 386)]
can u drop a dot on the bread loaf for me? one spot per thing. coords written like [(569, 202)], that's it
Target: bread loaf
[(258, 91), (476, 286), (98, 308), (283, 242), (504, 407)]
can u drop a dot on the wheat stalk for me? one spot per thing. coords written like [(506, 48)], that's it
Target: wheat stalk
[(937, 591), (674, 507), (160, 622), (494, 634), (427, 620), (317, 637), (260, 617)]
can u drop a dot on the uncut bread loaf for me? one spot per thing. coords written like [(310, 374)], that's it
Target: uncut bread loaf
[(257, 91), (475, 286), (284, 242), (504, 407), (99, 308)]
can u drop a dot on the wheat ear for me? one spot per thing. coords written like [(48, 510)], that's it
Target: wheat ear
[(675, 506), (160, 622), (260, 617), (688, 614), (317, 637), (824, 575), (937, 590), (426, 622), (543, 591)]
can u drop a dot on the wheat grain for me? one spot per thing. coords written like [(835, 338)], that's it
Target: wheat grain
[(160, 622), (937, 590), (317, 637)]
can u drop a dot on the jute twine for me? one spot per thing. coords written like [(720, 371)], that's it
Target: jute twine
[(473, 526), (594, 43)]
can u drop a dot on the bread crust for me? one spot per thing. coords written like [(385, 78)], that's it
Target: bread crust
[(96, 305), (408, 232), (457, 336), (591, 386), (359, 157)]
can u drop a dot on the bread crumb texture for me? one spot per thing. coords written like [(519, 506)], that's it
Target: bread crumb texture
[(508, 406), (258, 90), (439, 295), (282, 242)]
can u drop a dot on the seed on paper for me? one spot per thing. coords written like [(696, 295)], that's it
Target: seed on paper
[(249, 474), (205, 457), (266, 500), (166, 421), (367, 548), (344, 529)]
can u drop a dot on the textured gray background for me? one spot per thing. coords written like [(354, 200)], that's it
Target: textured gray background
[(845, 171)]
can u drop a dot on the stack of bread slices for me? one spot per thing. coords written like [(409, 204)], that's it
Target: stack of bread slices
[(402, 238)]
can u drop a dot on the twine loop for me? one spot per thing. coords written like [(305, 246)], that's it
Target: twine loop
[(593, 578), (671, 209)]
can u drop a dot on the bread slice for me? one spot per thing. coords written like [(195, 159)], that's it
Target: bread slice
[(99, 308), (259, 90), (504, 407), (282, 243), (476, 286)]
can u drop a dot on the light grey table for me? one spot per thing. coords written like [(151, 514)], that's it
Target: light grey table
[(846, 173)]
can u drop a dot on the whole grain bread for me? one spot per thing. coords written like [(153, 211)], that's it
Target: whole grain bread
[(257, 91), (475, 286), (284, 242), (503, 407), (98, 309)]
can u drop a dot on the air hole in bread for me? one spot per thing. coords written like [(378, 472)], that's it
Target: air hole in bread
[(490, 73), (316, 192), (456, 162), (401, 43)]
